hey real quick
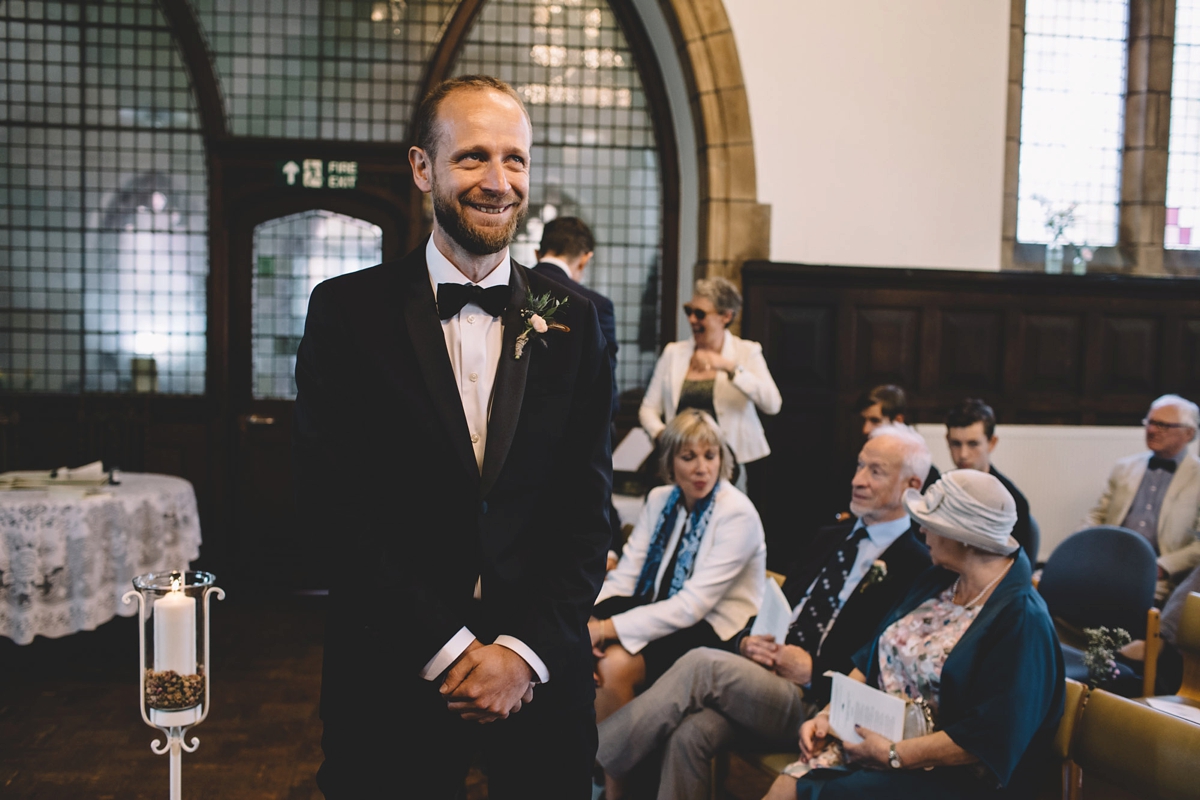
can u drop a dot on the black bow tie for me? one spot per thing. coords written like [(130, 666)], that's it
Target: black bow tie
[(451, 297), (1157, 462)]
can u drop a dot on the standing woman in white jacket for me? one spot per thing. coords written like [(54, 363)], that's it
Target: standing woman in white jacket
[(714, 371)]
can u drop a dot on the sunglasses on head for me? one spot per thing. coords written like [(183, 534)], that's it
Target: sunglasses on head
[(698, 313)]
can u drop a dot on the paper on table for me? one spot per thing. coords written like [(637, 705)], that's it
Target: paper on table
[(774, 615), (88, 475), (635, 448), (92, 471), (852, 703), (1190, 713)]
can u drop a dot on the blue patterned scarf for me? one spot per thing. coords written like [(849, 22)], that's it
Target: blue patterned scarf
[(689, 543)]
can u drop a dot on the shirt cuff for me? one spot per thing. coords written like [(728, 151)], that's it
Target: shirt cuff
[(451, 650), (531, 658)]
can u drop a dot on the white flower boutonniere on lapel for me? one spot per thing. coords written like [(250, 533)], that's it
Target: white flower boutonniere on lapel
[(875, 574), (538, 314)]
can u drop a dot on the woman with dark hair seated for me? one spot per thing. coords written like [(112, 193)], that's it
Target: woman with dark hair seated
[(691, 574), (974, 645)]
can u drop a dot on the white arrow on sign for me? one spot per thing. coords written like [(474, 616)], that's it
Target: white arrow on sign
[(291, 169)]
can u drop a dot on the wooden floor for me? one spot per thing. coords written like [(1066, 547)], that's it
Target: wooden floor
[(70, 726)]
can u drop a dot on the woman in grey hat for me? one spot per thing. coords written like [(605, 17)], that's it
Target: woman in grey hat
[(974, 643)]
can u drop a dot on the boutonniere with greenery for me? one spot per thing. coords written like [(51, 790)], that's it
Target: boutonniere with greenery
[(538, 314), (875, 574), (1101, 655)]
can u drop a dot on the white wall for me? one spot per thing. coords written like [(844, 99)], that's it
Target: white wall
[(1060, 469), (878, 127)]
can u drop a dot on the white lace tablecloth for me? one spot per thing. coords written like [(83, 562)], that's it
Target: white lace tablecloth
[(67, 558)]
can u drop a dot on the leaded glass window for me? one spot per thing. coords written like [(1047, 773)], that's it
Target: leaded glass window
[(103, 220), (1072, 114), (291, 256), (594, 153), (322, 69), (1183, 163)]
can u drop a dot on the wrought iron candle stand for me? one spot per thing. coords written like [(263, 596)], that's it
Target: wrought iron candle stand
[(173, 663)]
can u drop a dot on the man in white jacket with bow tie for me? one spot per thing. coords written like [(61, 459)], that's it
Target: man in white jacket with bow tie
[(1157, 494)]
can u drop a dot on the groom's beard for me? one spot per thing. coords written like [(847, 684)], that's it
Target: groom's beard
[(476, 239)]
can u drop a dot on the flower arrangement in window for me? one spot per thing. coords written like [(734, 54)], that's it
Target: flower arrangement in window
[(1057, 220)]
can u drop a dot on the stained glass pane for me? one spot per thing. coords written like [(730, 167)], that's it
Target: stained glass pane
[(291, 256), (1072, 116), (1183, 162), (594, 153), (322, 69), (103, 217)]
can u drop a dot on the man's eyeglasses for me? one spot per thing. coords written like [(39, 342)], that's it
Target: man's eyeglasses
[(698, 313), (1163, 426)]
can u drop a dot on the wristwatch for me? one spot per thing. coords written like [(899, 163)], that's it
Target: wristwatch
[(894, 757)]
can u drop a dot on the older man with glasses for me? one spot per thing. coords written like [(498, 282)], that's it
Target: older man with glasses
[(1157, 494)]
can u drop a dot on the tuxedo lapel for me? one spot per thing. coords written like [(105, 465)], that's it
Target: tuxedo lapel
[(429, 343), (509, 390)]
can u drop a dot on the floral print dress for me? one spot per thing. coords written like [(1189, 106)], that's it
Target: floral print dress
[(912, 651)]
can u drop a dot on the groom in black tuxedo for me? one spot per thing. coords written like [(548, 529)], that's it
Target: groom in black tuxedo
[(454, 451)]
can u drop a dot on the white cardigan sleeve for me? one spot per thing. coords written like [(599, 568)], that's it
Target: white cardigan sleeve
[(755, 381), (733, 538), (650, 414)]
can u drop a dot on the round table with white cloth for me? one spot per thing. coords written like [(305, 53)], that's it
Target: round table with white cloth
[(67, 557)]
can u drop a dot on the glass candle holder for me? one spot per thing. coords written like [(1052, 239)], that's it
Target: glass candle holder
[(174, 644)]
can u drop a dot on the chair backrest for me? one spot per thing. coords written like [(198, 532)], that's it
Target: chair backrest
[(1035, 540), (1075, 694), (1187, 639), (1137, 748), (1101, 576)]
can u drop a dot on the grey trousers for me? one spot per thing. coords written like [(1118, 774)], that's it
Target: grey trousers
[(707, 702)]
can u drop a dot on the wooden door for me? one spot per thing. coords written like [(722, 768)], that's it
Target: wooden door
[(284, 239)]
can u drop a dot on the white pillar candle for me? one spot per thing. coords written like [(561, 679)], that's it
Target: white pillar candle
[(175, 633)]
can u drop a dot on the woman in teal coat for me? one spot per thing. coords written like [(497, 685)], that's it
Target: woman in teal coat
[(972, 641)]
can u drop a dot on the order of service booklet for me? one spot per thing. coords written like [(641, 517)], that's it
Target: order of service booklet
[(852, 703), (774, 615)]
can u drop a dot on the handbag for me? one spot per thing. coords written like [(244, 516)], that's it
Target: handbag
[(918, 719)]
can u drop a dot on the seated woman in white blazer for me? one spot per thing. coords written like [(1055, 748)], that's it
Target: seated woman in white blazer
[(716, 372), (691, 574)]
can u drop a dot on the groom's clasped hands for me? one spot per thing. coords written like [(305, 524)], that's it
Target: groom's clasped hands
[(487, 683)]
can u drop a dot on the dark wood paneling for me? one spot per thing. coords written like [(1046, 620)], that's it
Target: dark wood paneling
[(1041, 349), (1189, 356), (971, 351), (1130, 356), (886, 345), (1052, 358), (801, 341)]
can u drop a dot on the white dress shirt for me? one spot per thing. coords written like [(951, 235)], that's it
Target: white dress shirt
[(474, 340)]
